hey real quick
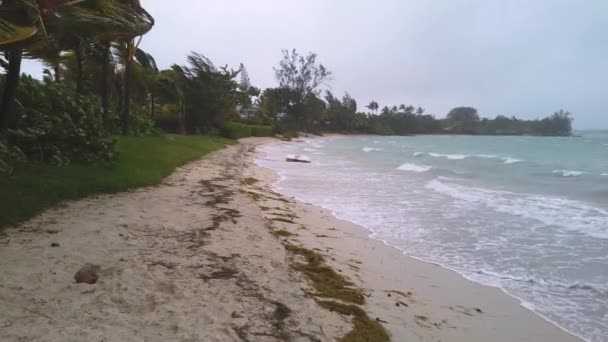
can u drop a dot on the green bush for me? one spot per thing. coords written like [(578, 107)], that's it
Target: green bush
[(381, 129), (140, 124), (236, 130), (262, 131), (10, 157), (289, 135), (57, 126)]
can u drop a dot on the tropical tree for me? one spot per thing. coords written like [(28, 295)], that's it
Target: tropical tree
[(303, 76), (45, 28), (463, 120), (373, 106), (171, 88)]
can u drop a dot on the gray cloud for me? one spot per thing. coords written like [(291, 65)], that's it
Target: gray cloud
[(524, 58)]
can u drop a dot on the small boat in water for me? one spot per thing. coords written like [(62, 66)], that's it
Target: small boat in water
[(297, 159)]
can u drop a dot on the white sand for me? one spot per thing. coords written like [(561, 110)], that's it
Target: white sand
[(194, 259)]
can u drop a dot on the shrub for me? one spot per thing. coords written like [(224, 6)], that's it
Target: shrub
[(140, 124), (262, 131), (54, 125), (10, 156), (235, 130), (287, 136)]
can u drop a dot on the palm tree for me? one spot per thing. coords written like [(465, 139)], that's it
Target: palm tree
[(373, 106), (19, 23), (172, 87), (29, 25), (151, 73)]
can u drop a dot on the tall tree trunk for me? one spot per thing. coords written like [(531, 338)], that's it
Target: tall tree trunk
[(152, 106), (182, 119), (105, 98), (57, 72), (80, 67), (126, 98), (8, 118)]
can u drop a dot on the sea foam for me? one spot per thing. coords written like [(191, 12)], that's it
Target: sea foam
[(414, 168), (449, 156), (505, 160), (568, 173), (370, 149), (509, 160), (553, 211)]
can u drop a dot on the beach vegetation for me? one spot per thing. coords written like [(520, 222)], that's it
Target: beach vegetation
[(297, 104), (364, 328), (282, 233), (282, 219), (326, 282), (250, 181), (142, 161), (237, 130)]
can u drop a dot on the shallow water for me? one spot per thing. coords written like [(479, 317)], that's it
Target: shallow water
[(526, 214)]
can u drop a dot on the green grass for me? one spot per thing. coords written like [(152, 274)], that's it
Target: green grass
[(143, 161)]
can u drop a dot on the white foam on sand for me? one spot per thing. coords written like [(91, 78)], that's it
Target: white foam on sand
[(414, 168)]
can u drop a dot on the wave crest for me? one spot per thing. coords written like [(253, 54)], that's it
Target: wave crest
[(568, 173), (414, 168), (505, 160), (552, 211)]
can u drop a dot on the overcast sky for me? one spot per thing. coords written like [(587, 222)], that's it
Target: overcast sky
[(524, 58)]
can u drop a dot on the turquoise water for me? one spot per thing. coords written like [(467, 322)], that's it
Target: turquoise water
[(526, 214)]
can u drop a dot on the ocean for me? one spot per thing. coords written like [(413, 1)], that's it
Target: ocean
[(528, 215)]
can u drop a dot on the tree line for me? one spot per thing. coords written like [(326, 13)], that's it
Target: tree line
[(99, 83), (299, 104)]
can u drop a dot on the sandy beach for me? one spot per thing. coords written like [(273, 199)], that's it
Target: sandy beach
[(214, 254)]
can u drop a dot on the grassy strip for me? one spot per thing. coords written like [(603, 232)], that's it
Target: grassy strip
[(143, 161)]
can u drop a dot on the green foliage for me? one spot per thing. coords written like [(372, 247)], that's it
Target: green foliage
[(237, 130), (144, 161), (10, 157), (211, 94), (463, 120), (261, 131), (140, 124), (558, 124), (57, 126)]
